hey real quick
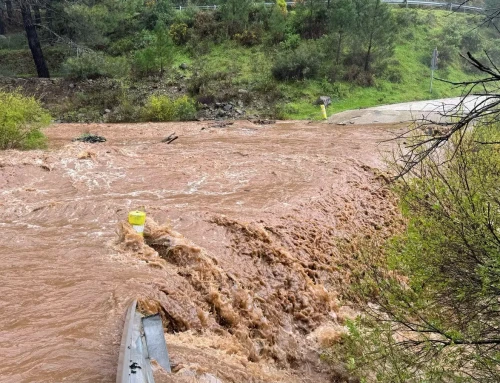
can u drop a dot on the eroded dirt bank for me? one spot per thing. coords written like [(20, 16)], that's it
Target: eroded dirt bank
[(242, 253)]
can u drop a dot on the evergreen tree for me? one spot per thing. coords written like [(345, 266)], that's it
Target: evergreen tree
[(375, 28), (342, 16)]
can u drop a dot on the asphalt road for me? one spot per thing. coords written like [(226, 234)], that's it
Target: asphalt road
[(435, 110)]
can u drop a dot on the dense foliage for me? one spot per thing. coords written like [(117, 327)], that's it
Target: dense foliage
[(144, 32), (21, 119), (436, 316), (359, 52)]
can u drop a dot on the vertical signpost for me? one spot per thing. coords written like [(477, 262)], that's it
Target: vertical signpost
[(434, 64)]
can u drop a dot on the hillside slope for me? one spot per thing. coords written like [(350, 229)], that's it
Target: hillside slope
[(228, 72)]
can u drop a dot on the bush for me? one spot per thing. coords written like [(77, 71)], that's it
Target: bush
[(179, 33), (248, 38), (356, 75), (434, 317), (163, 108), (21, 119), (206, 26), (95, 65), (298, 64), (212, 83)]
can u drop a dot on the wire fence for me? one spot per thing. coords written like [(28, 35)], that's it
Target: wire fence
[(445, 5)]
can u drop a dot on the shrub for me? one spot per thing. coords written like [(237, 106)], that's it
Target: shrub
[(163, 108), (248, 38), (207, 82), (282, 6), (94, 65), (356, 75), (21, 119), (297, 64), (206, 26), (123, 45), (179, 33), (185, 108)]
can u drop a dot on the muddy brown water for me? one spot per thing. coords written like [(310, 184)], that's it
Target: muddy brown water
[(246, 218)]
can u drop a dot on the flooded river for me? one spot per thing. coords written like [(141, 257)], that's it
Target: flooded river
[(256, 211)]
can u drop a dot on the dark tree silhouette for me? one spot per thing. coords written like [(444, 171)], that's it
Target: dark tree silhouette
[(33, 40)]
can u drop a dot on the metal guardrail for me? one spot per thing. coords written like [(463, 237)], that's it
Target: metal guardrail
[(446, 5)]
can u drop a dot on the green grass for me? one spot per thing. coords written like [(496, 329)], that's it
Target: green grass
[(413, 52), (250, 68), (225, 68)]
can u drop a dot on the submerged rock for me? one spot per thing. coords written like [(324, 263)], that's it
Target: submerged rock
[(325, 100)]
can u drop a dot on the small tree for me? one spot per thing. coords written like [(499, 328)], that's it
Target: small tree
[(235, 15), (311, 18), (163, 48), (157, 55), (375, 28), (342, 16)]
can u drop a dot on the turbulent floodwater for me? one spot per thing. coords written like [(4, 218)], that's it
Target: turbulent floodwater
[(241, 258)]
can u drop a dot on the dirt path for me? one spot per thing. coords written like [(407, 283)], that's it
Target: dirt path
[(251, 273)]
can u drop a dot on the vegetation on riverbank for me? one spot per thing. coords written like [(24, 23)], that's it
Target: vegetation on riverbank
[(267, 61), (21, 121), (433, 304)]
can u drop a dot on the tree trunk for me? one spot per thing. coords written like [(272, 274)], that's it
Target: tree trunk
[(10, 13), (339, 48), (372, 33), (368, 54), (2, 23), (33, 41), (38, 16)]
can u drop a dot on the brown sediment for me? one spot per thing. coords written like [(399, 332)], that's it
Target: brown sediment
[(241, 252)]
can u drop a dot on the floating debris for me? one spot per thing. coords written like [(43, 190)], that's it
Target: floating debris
[(264, 122), (90, 138), (170, 138)]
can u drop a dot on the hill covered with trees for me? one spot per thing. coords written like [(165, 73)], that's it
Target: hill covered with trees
[(111, 60)]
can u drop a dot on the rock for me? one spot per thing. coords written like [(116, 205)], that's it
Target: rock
[(239, 111), (183, 66), (71, 85), (243, 91), (325, 100), (228, 107), (107, 111)]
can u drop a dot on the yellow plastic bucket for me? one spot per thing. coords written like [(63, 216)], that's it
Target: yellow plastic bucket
[(137, 219)]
